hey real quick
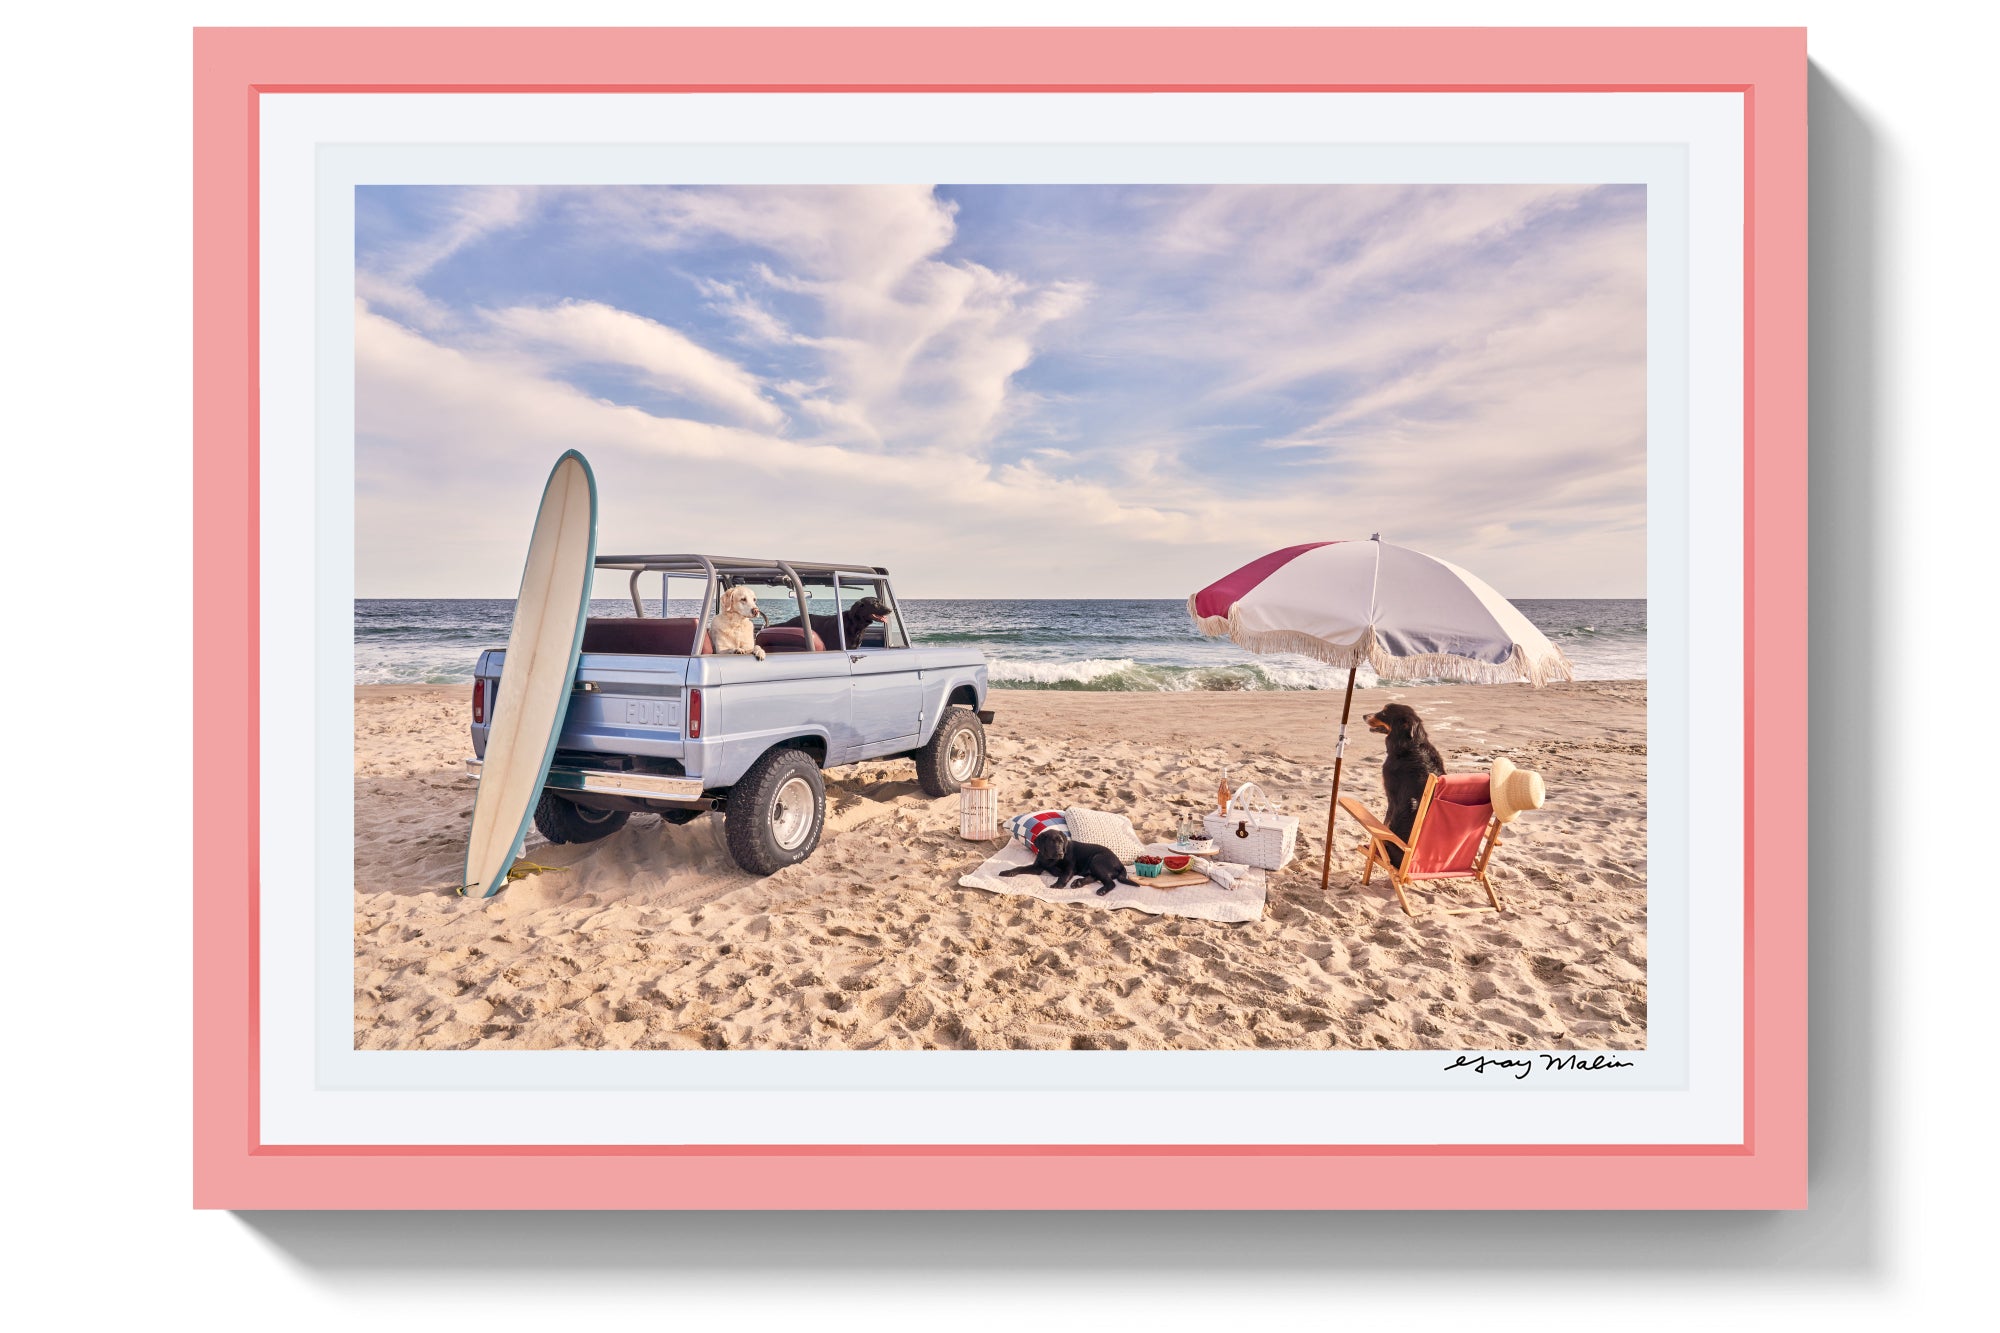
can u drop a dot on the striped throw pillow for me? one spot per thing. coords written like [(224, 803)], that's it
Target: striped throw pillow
[(1024, 829)]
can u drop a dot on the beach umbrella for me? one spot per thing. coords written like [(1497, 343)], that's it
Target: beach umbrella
[(1407, 615)]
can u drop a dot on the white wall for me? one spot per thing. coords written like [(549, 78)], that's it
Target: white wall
[(96, 951)]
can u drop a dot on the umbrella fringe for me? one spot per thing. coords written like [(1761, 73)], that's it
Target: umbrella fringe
[(1279, 640), (1470, 671), (1518, 666)]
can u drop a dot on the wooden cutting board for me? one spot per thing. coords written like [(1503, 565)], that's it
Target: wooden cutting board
[(1168, 880)]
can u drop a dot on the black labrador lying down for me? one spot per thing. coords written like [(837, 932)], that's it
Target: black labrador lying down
[(1074, 862)]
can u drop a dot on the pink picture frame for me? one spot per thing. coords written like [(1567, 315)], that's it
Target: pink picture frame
[(236, 68)]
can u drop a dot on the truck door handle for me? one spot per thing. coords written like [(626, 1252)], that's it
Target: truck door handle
[(854, 657)]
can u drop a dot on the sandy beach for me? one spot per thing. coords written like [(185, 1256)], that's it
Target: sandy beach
[(654, 939)]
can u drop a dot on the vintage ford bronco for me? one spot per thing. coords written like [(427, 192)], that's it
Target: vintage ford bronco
[(658, 721)]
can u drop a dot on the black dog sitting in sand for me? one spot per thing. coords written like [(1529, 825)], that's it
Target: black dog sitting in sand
[(1410, 761), (1073, 862)]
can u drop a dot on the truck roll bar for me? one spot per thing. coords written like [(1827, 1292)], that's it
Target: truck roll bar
[(707, 566)]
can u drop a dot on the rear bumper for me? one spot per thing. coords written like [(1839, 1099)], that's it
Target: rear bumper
[(653, 786)]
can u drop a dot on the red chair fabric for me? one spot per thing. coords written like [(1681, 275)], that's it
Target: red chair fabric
[(1448, 842)]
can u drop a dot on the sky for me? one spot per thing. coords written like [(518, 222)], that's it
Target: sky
[(1005, 390)]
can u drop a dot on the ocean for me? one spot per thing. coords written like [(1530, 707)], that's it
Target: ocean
[(1036, 645)]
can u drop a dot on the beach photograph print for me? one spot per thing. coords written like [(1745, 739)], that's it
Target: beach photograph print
[(1000, 617)]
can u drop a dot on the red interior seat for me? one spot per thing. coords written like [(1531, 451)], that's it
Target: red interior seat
[(788, 639), (651, 637)]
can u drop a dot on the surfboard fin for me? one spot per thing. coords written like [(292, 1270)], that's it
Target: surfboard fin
[(519, 870)]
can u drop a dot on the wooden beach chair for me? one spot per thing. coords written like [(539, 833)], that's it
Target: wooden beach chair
[(1453, 837)]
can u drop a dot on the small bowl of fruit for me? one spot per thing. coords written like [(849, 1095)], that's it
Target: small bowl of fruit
[(1147, 866)]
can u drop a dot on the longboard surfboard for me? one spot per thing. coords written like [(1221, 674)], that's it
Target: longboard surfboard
[(542, 650)]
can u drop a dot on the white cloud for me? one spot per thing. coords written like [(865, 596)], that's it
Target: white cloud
[(1337, 239), (591, 332), (1517, 396), (1484, 398), (462, 217), (1468, 394), (920, 351), (865, 234), (693, 485), (759, 325)]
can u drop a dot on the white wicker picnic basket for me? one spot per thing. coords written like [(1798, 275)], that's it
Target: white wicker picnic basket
[(1252, 832)]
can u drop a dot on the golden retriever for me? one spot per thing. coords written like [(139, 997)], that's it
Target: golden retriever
[(735, 629)]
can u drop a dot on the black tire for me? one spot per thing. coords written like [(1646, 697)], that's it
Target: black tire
[(940, 771), (564, 821), (759, 828)]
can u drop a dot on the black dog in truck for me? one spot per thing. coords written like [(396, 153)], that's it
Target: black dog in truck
[(855, 620)]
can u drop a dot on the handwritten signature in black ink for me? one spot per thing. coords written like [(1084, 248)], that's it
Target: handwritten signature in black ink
[(1520, 1066)]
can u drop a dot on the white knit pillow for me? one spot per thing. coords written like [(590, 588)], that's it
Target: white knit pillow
[(1105, 829)]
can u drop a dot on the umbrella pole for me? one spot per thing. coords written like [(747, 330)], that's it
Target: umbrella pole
[(1333, 801)]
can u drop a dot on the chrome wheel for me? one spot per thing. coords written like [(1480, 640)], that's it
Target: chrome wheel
[(792, 814), (962, 759), (775, 812)]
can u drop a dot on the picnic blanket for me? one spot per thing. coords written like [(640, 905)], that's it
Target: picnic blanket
[(1208, 901)]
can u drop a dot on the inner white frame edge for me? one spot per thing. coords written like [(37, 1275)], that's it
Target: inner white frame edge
[(316, 1089)]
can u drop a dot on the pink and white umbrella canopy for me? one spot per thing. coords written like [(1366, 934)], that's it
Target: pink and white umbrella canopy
[(1404, 614)]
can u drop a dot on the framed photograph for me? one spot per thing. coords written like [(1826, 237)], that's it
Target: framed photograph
[(1000, 619)]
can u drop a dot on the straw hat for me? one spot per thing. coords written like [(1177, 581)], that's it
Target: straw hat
[(1514, 790)]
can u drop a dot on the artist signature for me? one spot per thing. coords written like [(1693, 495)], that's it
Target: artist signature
[(1520, 1066)]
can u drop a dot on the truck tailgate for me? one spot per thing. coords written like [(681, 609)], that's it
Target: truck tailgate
[(627, 705)]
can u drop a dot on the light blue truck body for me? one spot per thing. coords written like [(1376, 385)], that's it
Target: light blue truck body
[(867, 703), (629, 713)]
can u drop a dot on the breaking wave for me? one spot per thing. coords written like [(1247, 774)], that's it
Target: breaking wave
[(1148, 646), (1123, 673)]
